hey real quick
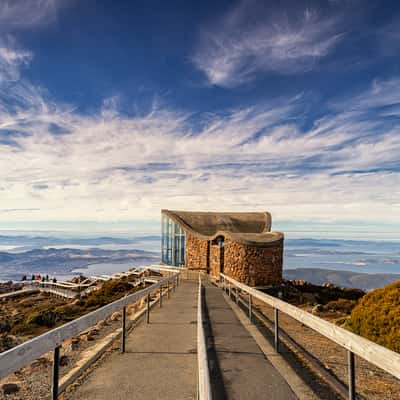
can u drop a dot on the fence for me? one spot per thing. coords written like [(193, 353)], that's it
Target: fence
[(378, 355), (19, 356)]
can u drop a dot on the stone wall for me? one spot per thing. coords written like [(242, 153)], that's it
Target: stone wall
[(196, 252), (254, 265)]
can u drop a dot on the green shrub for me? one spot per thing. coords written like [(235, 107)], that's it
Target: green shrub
[(44, 318), (377, 316), (110, 291)]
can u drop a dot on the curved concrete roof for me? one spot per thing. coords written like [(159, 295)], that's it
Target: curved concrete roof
[(252, 228)]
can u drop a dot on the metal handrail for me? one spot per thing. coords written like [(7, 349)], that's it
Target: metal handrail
[(204, 386), (376, 354), (19, 356)]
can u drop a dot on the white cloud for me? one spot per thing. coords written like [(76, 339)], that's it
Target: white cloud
[(58, 164), (112, 167), (11, 60), (27, 13), (248, 41)]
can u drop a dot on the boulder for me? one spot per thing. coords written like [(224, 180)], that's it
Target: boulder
[(10, 388), (101, 324), (64, 360), (72, 344), (116, 316), (317, 309)]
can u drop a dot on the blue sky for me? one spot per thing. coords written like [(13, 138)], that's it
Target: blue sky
[(110, 111)]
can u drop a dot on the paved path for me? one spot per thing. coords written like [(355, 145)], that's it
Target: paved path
[(160, 360), (240, 370)]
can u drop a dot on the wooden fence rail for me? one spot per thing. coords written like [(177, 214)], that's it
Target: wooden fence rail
[(380, 356)]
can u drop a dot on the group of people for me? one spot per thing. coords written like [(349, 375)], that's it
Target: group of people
[(39, 278)]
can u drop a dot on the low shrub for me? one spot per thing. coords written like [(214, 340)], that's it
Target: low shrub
[(377, 316), (343, 305)]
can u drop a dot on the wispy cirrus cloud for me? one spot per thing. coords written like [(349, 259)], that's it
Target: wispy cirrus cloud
[(111, 166), (17, 14), (11, 59), (251, 40)]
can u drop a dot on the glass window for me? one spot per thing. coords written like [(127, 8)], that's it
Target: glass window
[(172, 242)]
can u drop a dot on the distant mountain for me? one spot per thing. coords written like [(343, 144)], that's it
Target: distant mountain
[(311, 242), (60, 261), (349, 279), (39, 241)]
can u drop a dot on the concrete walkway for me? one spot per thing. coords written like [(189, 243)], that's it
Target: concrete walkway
[(160, 360), (239, 369)]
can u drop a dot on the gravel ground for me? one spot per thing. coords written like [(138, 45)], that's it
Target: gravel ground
[(371, 382)]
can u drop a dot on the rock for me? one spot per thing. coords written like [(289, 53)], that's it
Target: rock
[(88, 337), (93, 331), (72, 344), (317, 309), (10, 388), (101, 324), (116, 316), (64, 360)]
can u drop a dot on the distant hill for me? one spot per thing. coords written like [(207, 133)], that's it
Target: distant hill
[(39, 241), (349, 279), (60, 261)]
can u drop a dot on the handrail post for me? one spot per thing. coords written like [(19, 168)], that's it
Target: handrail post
[(123, 330), (237, 295), (352, 376), (167, 289), (276, 326), (160, 296), (250, 308), (56, 367), (230, 296), (148, 308)]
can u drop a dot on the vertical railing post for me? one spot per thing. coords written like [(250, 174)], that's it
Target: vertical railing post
[(56, 367), (230, 297), (352, 376), (237, 295), (161, 296), (123, 329), (250, 308), (276, 313), (167, 289), (148, 307)]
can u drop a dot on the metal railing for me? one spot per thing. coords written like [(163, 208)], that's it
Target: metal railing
[(380, 356), (204, 386), (19, 356)]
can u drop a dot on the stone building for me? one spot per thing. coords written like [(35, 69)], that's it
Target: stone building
[(240, 245)]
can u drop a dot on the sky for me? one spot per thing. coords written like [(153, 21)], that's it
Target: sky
[(111, 111)]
